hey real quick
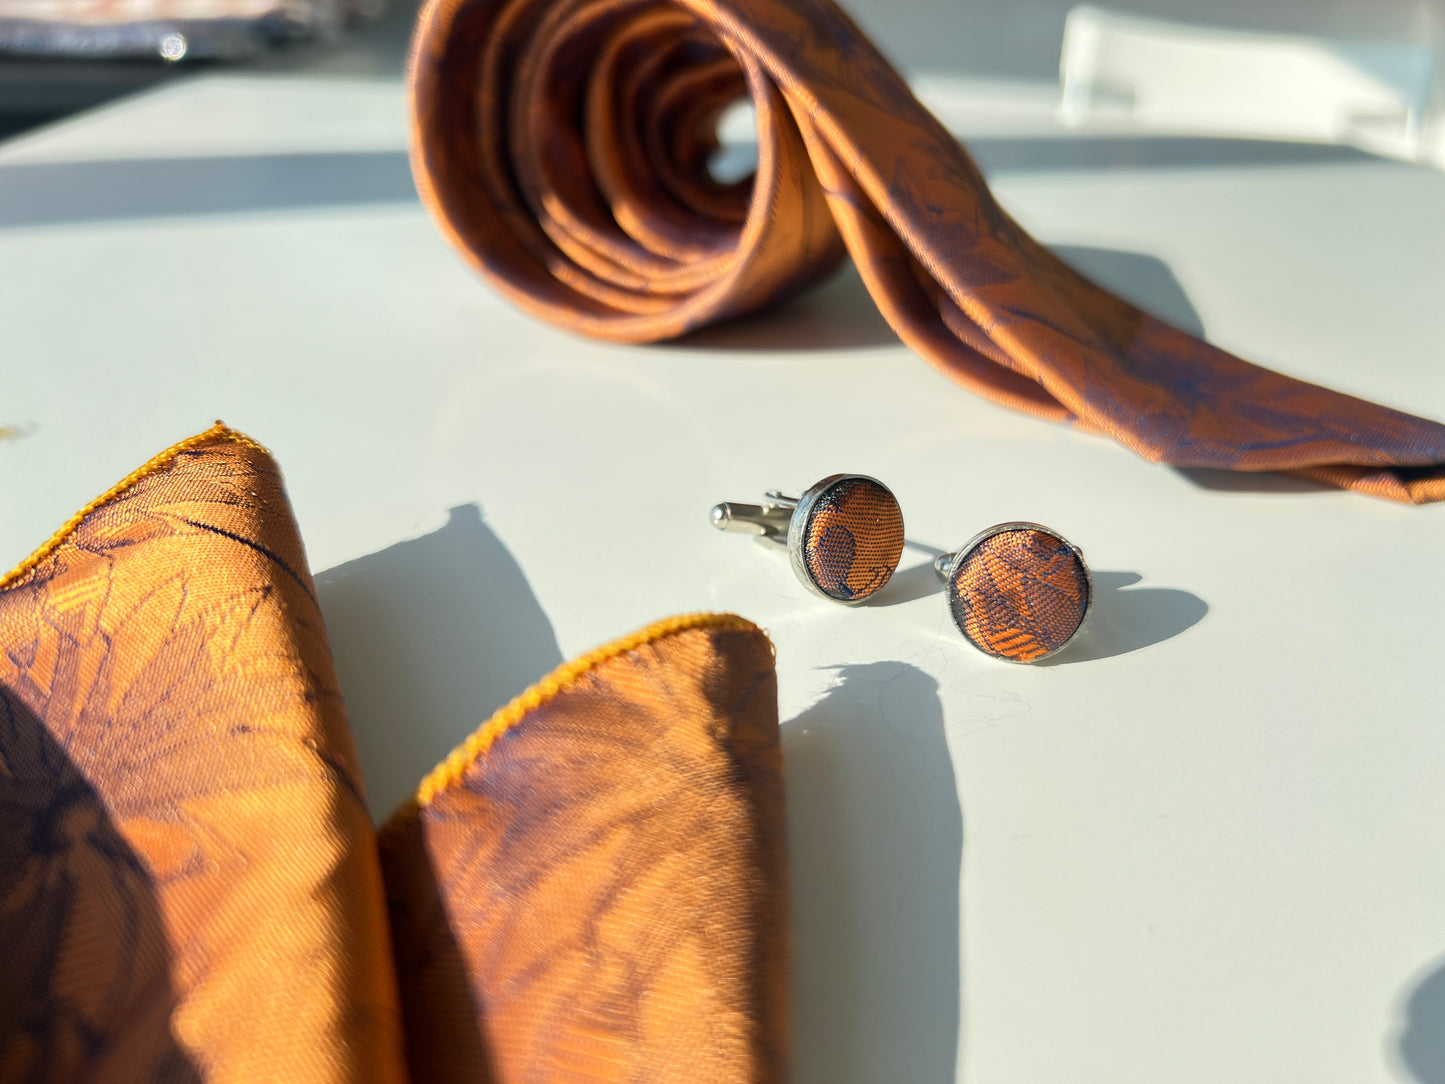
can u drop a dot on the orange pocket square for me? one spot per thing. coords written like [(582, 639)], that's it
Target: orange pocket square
[(592, 887)]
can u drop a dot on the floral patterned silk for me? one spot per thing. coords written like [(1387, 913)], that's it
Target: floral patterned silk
[(190, 884), (562, 145)]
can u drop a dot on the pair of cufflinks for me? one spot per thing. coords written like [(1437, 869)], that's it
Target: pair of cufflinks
[(1016, 591)]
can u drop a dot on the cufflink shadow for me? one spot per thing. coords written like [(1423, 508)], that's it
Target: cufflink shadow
[(430, 636), (915, 582), (876, 839), (87, 992), (1421, 1041), (1122, 620)]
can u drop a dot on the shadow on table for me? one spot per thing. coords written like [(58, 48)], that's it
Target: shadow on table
[(1144, 281), (1097, 153), (1122, 620), (35, 91), (840, 314), (837, 315), (1238, 481), (1421, 1042), (430, 636), (47, 193), (914, 582), (88, 992), (1064, 152), (876, 842)]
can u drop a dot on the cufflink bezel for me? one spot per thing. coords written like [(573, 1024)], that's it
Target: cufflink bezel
[(785, 521), (802, 519), (948, 565)]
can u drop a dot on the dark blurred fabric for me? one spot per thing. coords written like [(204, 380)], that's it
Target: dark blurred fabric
[(169, 30)]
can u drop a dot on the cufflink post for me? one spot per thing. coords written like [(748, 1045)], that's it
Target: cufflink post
[(844, 535), (943, 565), (770, 520)]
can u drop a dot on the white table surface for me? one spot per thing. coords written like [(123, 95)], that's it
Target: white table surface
[(1203, 846)]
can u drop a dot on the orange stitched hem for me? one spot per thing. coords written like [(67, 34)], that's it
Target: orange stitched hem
[(558, 681), (219, 431)]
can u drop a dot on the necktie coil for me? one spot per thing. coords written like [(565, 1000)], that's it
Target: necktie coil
[(563, 145)]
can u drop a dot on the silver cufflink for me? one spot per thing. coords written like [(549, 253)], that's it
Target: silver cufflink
[(844, 535), (1017, 591)]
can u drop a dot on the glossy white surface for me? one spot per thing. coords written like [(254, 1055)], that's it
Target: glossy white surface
[(1202, 846)]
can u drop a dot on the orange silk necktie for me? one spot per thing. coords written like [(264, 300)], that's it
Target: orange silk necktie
[(563, 147)]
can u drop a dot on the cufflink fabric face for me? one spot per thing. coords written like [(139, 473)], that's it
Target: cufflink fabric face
[(844, 535), (1017, 591)]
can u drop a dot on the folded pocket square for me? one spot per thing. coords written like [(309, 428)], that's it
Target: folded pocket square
[(602, 869), (591, 887)]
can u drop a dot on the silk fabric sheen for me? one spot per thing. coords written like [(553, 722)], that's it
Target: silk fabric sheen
[(562, 145), (610, 899), (189, 880)]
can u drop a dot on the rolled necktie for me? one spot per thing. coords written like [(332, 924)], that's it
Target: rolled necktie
[(562, 145)]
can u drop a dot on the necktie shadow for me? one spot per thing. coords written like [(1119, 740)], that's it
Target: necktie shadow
[(86, 993), (1421, 1042), (876, 843), (1121, 620), (430, 636), (1146, 282), (1233, 481), (840, 314)]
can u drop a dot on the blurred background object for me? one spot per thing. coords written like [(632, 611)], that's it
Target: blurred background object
[(60, 57), (1155, 77), (169, 30), (1380, 93), (1359, 73)]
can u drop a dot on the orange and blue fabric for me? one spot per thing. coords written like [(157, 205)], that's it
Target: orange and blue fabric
[(593, 886), (562, 146)]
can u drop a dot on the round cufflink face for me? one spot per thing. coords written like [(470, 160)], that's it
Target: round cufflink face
[(1019, 591), (846, 537)]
